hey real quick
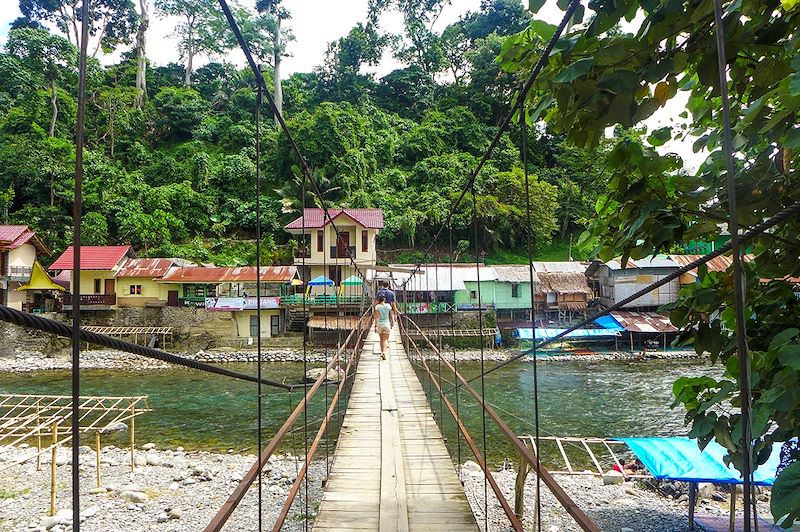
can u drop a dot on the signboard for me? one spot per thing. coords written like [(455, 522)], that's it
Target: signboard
[(229, 304)]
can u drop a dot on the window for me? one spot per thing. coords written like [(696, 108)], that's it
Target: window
[(320, 242), (364, 241), (473, 294), (136, 289), (514, 289), (97, 286)]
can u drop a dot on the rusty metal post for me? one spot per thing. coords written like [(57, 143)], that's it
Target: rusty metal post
[(97, 443), (53, 470)]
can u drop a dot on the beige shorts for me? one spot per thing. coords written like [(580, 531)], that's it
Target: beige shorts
[(384, 329)]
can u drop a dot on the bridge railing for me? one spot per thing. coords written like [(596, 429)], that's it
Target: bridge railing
[(526, 453), (356, 336)]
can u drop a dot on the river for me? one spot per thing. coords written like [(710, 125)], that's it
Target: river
[(204, 411)]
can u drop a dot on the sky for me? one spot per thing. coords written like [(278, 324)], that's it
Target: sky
[(315, 23)]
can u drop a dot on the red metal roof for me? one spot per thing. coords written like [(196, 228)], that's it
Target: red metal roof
[(93, 258), (146, 267), (14, 236), (316, 219), (243, 274), (717, 264)]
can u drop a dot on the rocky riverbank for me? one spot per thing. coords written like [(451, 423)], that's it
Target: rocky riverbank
[(177, 490), (170, 490), (627, 507), (24, 361)]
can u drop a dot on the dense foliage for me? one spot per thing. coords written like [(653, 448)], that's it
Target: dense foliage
[(602, 77), (172, 170)]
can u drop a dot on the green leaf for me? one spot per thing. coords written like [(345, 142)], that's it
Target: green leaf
[(783, 337), (794, 85), (574, 71), (786, 495), (543, 29), (619, 82), (535, 5), (789, 355), (792, 139), (660, 136)]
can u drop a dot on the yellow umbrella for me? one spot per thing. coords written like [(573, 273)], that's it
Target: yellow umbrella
[(40, 280)]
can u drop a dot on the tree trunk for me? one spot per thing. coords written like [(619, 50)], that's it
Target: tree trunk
[(278, 97), (141, 58), (187, 80), (53, 108)]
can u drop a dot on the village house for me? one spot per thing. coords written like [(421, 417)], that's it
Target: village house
[(323, 254), (19, 252), (137, 282), (612, 283), (98, 277)]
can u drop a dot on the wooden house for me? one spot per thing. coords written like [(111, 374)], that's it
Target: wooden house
[(98, 279), (611, 282), (20, 249)]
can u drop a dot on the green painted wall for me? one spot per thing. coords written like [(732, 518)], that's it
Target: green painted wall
[(462, 297), (504, 299)]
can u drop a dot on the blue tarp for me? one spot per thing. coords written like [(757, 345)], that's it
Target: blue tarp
[(543, 334), (681, 459), (609, 323), (320, 281)]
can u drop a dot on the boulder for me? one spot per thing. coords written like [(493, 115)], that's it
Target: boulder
[(152, 459), (119, 426), (706, 490), (140, 460), (97, 491), (613, 477), (174, 513), (471, 467), (148, 446), (313, 374), (135, 497)]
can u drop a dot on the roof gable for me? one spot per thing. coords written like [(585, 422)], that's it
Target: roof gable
[(15, 236), (93, 258), (316, 219)]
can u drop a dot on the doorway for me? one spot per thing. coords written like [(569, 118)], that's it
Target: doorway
[(342, 243), (109, 287), (254, 326), (274, 325)]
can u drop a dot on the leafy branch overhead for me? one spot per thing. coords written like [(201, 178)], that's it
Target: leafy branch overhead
[(620, 64)]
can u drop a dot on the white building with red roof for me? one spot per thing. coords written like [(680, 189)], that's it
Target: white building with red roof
[(19, 250), (98, 279), (325, 254)]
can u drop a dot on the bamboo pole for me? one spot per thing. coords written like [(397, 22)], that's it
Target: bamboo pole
[(133, 437), (38, 440), (97, 443), (53, 470)]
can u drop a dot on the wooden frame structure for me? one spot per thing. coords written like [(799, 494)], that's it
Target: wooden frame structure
[(134, 332)]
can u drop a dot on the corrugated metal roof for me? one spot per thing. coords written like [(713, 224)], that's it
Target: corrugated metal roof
[(93, 258), (426, 279), (648, 322), (316, 219), (717, 264), (9, 233), (14, 236), (560, 267), (243, 274), (148, 267), (660, 261), (513, 274)]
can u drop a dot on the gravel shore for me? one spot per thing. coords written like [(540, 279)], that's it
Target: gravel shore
[(25, 361), (179, 491)]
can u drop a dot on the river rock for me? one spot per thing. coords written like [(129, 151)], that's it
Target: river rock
[(613, 477), (97, 491), (313, 374), (135, 497), (162, 518), (152, 459), (471, 467), (50, 521), (174, 513), (683, 498), (148, 446), (91, 511), (706, 490), (140, 460), (119, 426)]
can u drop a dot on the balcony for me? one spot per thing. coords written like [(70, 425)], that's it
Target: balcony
[(92, 301), (322, 300), (343, 252), (302, 253), (18, 273)]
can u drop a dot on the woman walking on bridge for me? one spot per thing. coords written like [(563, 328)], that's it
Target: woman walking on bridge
[(384, 321)]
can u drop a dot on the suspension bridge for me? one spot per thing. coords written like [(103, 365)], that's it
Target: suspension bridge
[(391, 469)]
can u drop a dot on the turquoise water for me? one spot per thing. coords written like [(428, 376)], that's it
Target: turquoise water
[(198, 410)]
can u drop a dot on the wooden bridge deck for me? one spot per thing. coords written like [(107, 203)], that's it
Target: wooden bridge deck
[(391, 469)]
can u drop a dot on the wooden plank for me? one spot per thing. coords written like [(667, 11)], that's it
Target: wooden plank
[(393, 509)]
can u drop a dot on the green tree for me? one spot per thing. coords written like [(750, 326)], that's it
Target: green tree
[(201, 30)]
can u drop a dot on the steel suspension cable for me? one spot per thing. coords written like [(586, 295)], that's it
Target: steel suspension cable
[(781, 216), (742, 349), (305, 341), (478, 249), (453, 345), (77, 217), (259, 95), (507, 120), (523, 125)]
